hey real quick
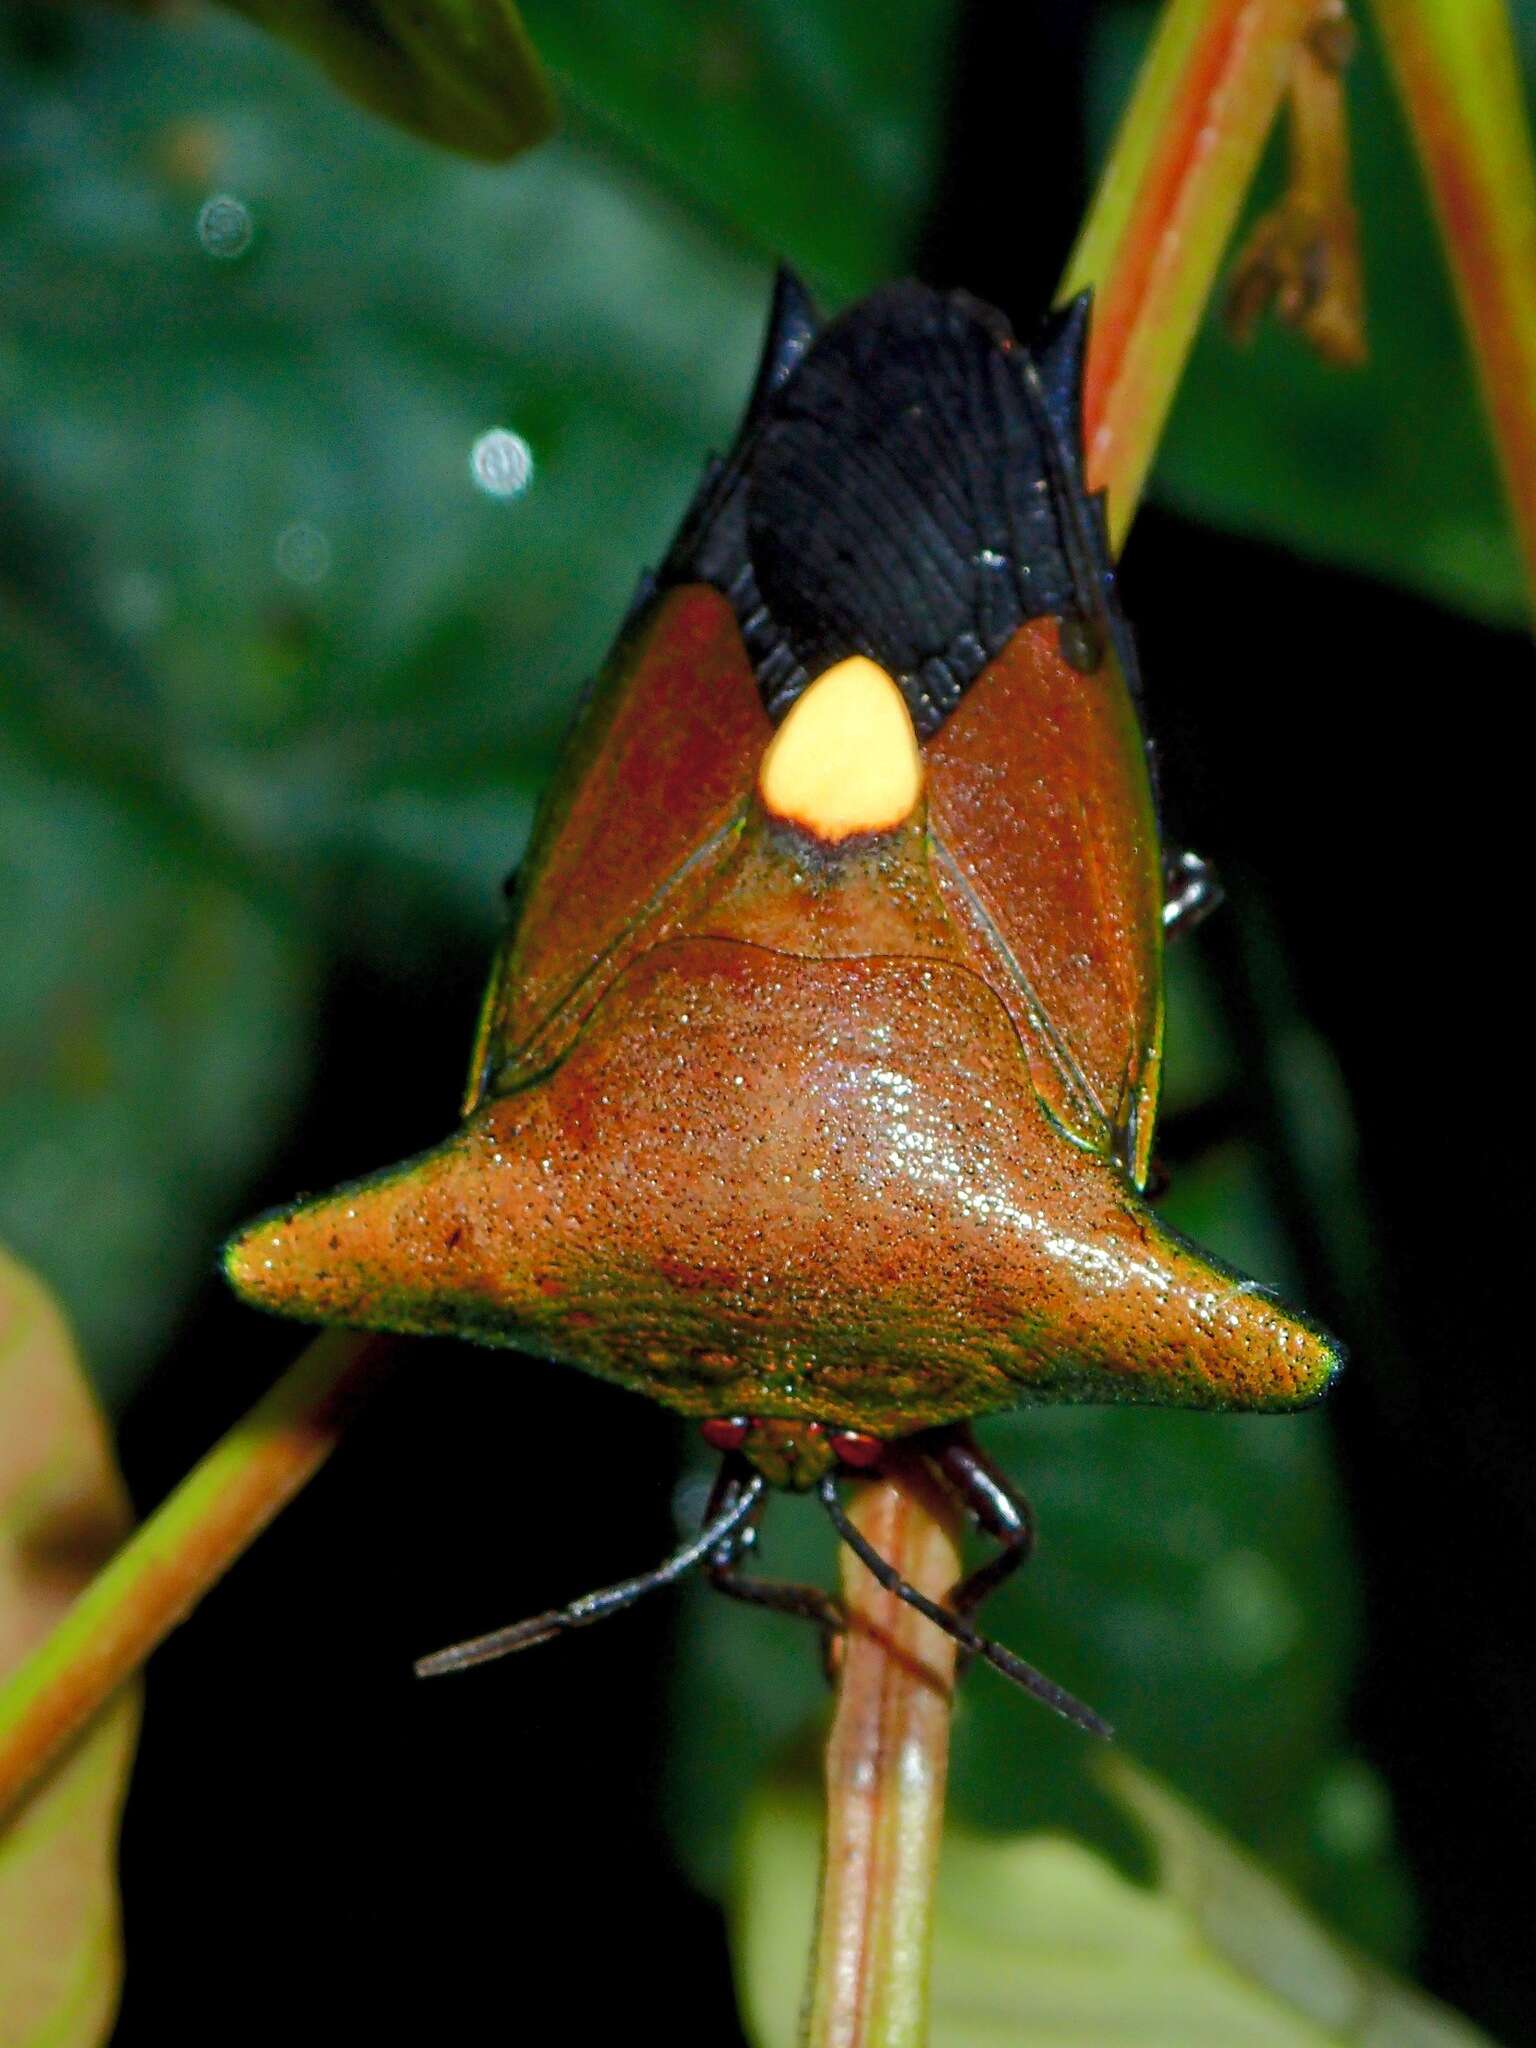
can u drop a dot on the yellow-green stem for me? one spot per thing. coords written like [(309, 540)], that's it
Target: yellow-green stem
[(161, 1573), (1459, 76), (887, 1760), (1168, 200)]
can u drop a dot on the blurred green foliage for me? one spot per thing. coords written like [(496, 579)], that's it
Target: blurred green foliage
[(275, 668), (1038, 1943), (459, 72), (282, 678), (812, 131)]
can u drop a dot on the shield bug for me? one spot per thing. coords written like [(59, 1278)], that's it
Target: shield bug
[(814, 1086)]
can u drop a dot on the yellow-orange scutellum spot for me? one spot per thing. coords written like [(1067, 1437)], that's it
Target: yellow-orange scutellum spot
[(845, 760)]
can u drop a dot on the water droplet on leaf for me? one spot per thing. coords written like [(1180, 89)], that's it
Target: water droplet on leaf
[(225, 227), (302, 554), (501, 463)]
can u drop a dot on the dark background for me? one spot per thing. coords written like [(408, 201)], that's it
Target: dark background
[(313, 1840)]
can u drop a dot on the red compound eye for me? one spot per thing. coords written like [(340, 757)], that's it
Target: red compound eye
[(725, 1432), (855, 1449)]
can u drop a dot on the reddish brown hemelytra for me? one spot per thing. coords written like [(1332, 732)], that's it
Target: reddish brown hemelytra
[(816, 1078)]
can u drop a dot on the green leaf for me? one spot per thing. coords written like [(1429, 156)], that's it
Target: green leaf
[(1387, 469), (459, 72), (261, 467), (811, 126), (63, 1511), (281, 681), (153, 1038), (1041, 1943)]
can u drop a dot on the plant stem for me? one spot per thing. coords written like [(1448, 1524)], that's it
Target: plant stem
[(1303, 257), (1459, 76), (1182, 159), (887, 1759), (161, 1572)]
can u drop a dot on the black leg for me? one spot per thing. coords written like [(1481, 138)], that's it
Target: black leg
[(997, 1655), (718, 1529), (806, 1603), (993, 1503), (1190, 893)]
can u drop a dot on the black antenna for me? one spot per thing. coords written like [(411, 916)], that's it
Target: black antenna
[(1044, 1689), (522, 1635)]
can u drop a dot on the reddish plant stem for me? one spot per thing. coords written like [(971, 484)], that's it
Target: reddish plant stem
[(886, 1764), (162, 1571), (1459, 75), (1185, 152)]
